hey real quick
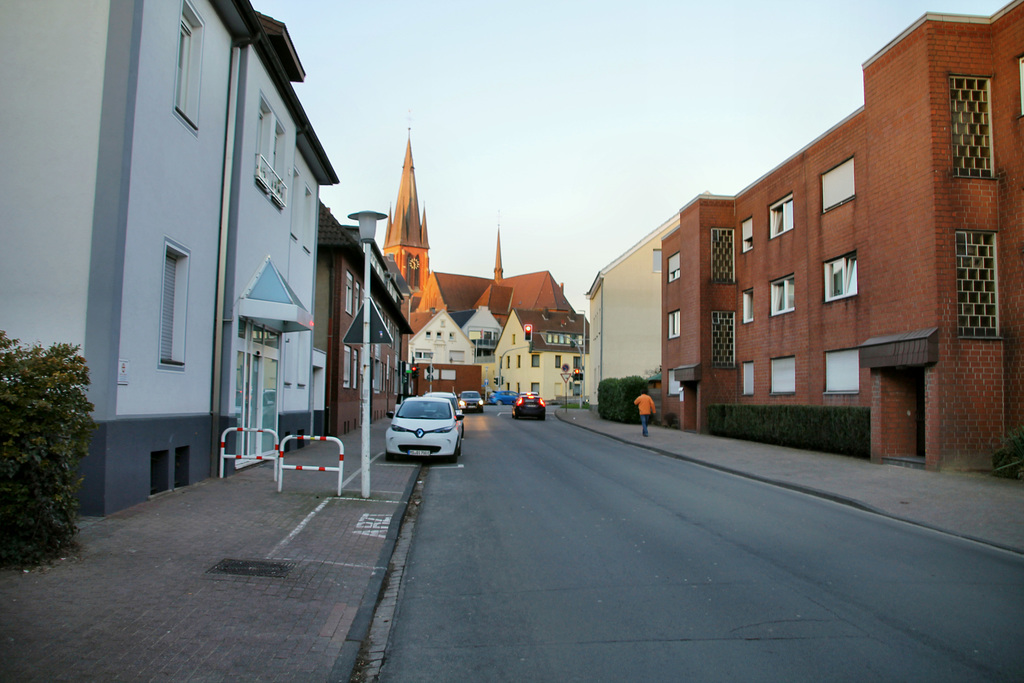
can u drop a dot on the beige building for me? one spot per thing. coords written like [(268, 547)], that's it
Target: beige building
[(538, 364), (624, 338), (441, 341)]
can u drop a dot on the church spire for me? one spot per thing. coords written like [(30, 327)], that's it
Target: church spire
[(498, 272), (406, 229)]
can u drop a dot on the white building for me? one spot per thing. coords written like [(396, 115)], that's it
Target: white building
[(162, 214), (441, 341)]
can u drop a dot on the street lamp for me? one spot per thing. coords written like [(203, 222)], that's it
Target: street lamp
[(367, 230), (583, 352)]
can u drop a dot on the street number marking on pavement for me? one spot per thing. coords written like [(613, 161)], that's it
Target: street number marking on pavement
[(373, 525)]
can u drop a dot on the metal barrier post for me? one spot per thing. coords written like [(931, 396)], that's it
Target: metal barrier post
[(227, 456), (340, 469)]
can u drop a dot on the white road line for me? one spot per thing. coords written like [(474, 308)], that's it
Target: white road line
[(300, 527)]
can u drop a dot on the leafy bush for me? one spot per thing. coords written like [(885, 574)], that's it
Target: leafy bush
[(832, 429), (45, 427), (615, 398), (1008, 461)]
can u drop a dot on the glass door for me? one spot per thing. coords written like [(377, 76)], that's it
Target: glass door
[(256, 375)]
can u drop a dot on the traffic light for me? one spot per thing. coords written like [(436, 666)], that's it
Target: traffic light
[(577, 375), (414, 370), (528, 332)]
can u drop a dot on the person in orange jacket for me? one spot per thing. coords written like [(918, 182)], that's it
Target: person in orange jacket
[(646, 405)]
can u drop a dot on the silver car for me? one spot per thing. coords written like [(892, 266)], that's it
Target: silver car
[(424, 426)]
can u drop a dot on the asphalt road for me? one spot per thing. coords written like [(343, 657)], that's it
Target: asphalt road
[(554, 554)]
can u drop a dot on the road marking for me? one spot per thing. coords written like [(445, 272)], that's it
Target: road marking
[(300, 527)]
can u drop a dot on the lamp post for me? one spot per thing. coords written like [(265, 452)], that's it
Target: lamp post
[(583, 354), (367, 231)]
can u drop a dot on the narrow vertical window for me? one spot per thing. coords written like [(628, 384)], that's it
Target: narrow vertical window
[(723, 335), (673, 267), (747, 227), (172, 306), (722, 254), (781, 216), (748, 306), (190, 50), (748, 378), (657, 261), (977, 305), (673, 324)]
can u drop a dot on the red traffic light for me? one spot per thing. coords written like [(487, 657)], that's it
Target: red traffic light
[(528, 331)]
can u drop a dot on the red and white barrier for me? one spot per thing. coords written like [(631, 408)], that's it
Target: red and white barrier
[(340, 469), (227, 456)]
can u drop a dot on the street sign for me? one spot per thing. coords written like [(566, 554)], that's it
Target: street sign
[(565, 367), (566, 376)]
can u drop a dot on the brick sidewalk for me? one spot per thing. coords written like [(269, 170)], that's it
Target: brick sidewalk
[(145, 601)]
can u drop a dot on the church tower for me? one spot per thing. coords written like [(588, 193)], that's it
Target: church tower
[(406, 237)]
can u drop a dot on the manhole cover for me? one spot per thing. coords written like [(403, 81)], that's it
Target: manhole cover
[(274, 570)]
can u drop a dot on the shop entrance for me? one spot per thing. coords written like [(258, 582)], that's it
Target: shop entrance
[(256, 396)]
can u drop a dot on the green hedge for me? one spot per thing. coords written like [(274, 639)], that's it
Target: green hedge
[(615, 397), (45, 427), (1008, 461), (831, 429)]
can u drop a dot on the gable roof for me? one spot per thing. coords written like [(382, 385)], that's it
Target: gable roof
[(547, 321)]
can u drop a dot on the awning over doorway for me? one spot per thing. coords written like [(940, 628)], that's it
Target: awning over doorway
[(687, 373), (270, 300), (917, 348)]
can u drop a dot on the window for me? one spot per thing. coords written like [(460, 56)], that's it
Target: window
[(172, 305), (781, 217), (558, 361), (723, 327), (535, 387), (270, 155), (721, 255), (842, 371), (519, 361), (190, 52), (1021, 64), (427, 334), (347, 368), (748, 378), (972, 137), (673, 324), (304, 219), (841, 277), (977, 314), (348, 291), (674, 385), (673, 267), (657, 261), (784, 375), (359, 300), (837, 185), (534, 360), (457, 357), (748, 306), (747, 227), (783, 297)]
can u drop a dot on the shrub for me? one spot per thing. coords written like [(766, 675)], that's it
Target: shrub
[(832, 429), (45, 427), (1008, 461), (615, 398)]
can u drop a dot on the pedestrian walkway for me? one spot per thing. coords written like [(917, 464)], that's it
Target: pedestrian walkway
[(975, 506), (225, 580)]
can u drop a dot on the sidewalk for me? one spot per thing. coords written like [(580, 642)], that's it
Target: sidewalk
[(974, 506), (226, 580)]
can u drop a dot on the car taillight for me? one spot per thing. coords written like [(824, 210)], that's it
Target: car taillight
[(519, 401), (540, 401)]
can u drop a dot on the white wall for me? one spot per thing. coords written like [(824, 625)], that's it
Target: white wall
[(175, 194), (51, 87)]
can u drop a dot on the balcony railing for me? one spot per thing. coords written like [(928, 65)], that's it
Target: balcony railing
[(270, 182)]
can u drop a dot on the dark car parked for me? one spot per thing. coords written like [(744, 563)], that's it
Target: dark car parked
[(529, 405)]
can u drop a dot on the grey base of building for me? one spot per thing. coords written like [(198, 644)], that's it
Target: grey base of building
[(132, 459)]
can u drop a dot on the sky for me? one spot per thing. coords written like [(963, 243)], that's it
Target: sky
[(578, 127)]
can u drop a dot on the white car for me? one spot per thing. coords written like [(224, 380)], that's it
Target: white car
[(424, 426)]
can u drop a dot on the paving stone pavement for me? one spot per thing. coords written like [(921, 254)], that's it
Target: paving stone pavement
[(142, 600)]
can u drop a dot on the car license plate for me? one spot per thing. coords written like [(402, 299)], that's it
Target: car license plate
[(418, 452)]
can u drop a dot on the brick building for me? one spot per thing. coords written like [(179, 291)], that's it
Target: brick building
[(882, 265)]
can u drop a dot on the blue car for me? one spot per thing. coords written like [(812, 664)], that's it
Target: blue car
[(503, 397)]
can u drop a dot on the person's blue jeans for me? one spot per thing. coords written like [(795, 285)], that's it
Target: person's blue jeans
[(643, 421)]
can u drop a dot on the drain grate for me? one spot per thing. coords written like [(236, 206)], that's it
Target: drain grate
[(273, 570)]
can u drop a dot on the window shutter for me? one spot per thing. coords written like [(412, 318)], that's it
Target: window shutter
[(167, 313)]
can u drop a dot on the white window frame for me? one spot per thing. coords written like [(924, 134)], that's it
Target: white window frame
[(673, 267), (784, 295), (349, 290), (844, 269), (784, 375), (837, 185), (748, 378), (657, 261), (346, 381), (842, 371), (311, 218), (173, 306), (270, 154), (747, 230), (780, 217), (673, 324), (189, 65), (748, 306), (1020, 63)]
